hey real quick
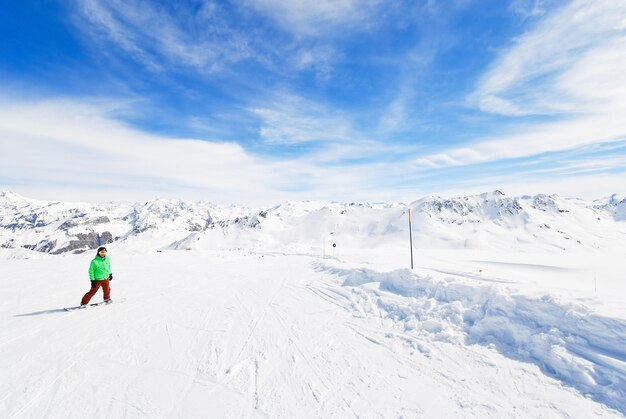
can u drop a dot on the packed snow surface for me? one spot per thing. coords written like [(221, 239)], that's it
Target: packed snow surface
[(254, 313)]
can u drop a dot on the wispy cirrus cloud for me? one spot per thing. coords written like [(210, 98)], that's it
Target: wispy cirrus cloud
[(400, 110), (158, 37), (316, 17), (572, 57), (557, 136), (570, 66), (317, 58), (577, 167), (290, 119), (210, 37), (529, 8)]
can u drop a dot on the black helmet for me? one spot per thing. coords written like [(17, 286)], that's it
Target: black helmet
[(101, 248)]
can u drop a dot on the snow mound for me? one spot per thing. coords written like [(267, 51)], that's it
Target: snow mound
[(566, 341)]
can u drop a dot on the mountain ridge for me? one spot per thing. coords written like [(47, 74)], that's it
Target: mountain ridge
[(483, 220)]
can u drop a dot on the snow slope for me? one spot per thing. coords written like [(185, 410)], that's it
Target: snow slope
[(243, 334), (262, 317)]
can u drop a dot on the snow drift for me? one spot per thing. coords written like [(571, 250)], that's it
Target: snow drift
[(566, 341)]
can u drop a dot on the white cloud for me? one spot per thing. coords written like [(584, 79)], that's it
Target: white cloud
[(315, 17), (529, 8), (76, 144), (571, 65), (290, 119), (395, 115), (203, 41), (548, 137), (212, 38), (74, 150), (319, 59), (574, 167), (531, 77)]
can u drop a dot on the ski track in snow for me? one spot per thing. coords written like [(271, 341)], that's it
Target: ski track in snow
[(566, 341), (239, 334)]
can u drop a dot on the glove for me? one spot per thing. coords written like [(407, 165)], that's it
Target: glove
[(111, 277)]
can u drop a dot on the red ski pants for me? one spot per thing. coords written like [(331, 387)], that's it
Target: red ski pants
[(95, 286)]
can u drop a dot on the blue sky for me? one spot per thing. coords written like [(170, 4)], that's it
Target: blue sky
[(259, 101)]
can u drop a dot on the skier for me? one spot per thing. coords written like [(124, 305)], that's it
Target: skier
[(100, 275)]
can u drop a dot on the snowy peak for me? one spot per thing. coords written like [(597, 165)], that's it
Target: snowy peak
[(620, 211), (491, 206), (616, 199), (12, 200), (615, 205), (8, 196), (547, 203), (173, 214), (295, 209)]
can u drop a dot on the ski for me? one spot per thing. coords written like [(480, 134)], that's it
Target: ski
[(99, 303)]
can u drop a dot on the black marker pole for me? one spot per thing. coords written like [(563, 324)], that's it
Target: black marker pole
[(411, 238)]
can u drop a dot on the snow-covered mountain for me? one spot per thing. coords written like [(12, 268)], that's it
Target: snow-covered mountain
[(488, 220)]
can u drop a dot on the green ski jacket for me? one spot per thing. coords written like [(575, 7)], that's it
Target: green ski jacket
[(100, 268)]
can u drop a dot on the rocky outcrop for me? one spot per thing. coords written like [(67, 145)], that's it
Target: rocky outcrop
[(84, 242)]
